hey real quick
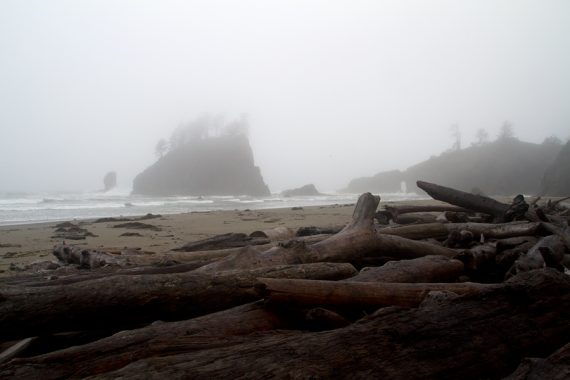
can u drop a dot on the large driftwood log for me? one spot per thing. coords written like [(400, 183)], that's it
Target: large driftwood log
[(463, 338), (230, 240), (161, 338), (442, 230), (357, 240), (396, 210), (128, 301), (422, 269), (358, 294), (466, 200)]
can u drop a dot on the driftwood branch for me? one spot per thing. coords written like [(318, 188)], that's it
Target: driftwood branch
[(466, 200)]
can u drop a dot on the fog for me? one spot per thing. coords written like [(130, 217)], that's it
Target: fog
[(333, 90)]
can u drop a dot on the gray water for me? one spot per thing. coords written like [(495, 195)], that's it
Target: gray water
[(23, 208)]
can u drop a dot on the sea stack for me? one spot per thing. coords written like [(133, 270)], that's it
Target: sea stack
[(109, 181), (221, 165)]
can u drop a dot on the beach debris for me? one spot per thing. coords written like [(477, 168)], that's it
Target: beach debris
[(123, 219), (71, 231), (138, 226), (128, 234), (462, 279)]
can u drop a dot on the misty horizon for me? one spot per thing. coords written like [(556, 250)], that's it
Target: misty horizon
[(333, 90)]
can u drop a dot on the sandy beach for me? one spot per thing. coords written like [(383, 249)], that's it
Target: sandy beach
[(24, 244)]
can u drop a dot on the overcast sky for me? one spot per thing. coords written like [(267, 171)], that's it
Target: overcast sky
[(333, 89)]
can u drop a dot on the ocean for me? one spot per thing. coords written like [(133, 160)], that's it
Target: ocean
[(24, 208)]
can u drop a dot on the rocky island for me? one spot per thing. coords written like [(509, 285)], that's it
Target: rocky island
[(200, 164)]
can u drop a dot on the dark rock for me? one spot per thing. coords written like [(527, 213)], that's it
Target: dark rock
[(209, 166), (109, 181), (131, 234), (306, 190), (137, 226)]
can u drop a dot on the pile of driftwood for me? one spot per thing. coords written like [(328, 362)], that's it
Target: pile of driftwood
[(474, 289)]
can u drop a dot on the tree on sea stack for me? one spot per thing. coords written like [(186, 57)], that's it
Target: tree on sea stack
[(161, 148)]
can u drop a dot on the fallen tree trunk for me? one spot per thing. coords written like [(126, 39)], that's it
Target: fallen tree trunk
[(396, 210), (118, 350), (357, 240), (442, 230), (463, 338), (423, 269), (466, 200), (128, 301), (357, 294), (224, 241)]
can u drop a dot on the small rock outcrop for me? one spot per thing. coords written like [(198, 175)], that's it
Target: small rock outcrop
[(307, 190), (109, 181)]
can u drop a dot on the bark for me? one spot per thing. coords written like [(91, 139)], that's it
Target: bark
[(480, 263), (414, 218), (466, 200), (157, 339), (554, 367), (319, 319), (230, 240), (423, 269), (549, 249), (127, 301), (463, 338), (15, 350), (357, 240), (357, 294), (442, 230), (562, 232)]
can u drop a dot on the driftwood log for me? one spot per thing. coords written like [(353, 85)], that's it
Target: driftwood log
[(128, 301), (118, 350), (358, 294), (466, 200), (357, 240), (230, 240), (470, 337), (442, 230), (422, 269)]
